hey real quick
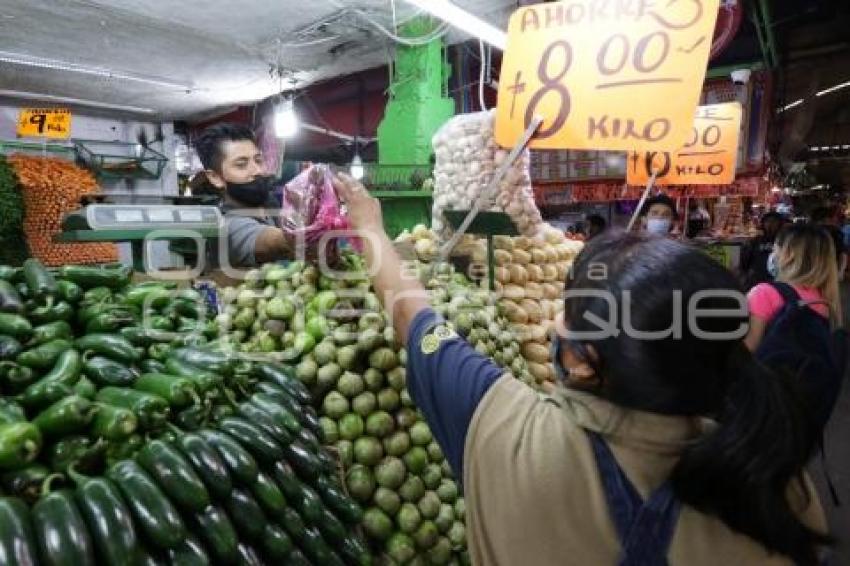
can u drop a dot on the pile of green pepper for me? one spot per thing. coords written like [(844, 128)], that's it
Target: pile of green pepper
[(130, 435)]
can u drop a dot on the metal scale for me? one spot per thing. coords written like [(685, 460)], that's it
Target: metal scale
[(140, 223)]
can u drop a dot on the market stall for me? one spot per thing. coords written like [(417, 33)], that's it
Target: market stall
[(156, 409)]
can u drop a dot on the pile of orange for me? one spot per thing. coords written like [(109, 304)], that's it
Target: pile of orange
[(51, 188)]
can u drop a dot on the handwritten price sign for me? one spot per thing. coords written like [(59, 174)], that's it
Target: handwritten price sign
[(707, 158), (605, 74), (44, 122)]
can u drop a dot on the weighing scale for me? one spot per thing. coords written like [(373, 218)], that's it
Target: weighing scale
[(136, 223)]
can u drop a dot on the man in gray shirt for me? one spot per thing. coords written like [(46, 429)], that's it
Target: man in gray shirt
[(234, 165)]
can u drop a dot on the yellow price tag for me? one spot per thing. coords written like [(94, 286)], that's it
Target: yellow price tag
[(709, 157), (605, 74), (44, 122)]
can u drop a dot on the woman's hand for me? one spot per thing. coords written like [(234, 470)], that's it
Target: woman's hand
[(364, 211)]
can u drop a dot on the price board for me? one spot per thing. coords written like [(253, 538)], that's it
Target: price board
[(44, 122), (605, 74), (708, 157)]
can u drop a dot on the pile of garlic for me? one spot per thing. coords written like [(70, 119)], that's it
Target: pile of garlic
[(530, 275), (466, 159)]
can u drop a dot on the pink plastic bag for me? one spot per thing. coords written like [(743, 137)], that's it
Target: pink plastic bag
[(310, 208)]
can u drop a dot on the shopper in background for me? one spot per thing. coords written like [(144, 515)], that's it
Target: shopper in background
[(234, 165), (829, 218), (563, 478), (795, 320), (658, 215), (595, 226), (755, 253), (699, 220), (804, 258)]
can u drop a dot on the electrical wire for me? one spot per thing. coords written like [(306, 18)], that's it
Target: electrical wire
[(440, 31)]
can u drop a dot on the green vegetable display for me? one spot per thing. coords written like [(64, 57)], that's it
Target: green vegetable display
[(343, 351), (130, 435)]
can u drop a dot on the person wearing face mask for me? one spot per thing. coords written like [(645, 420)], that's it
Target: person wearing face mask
[(755, 253), (658, 214), (674, 449), (234, 166)]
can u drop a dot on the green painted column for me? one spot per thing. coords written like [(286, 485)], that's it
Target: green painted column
[(418, 104)]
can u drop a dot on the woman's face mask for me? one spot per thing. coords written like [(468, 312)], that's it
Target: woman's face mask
[(659, 226)]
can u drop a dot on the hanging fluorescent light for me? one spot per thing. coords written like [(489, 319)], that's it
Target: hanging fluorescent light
[(357, 170), (75, 101), (463, 20), (794, 104), (833, 89), (285, 119), (54, 64)]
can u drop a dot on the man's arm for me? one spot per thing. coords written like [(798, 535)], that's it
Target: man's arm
[(272, 245)]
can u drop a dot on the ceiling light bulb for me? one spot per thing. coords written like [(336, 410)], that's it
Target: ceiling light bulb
[(357, 170), (285, 120)]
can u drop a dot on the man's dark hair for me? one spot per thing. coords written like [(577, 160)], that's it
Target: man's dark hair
[(208, 144), (823, 214), (596, 221), (659, 199), (772, 215)]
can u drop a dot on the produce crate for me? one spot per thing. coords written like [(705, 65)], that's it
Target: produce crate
[(120, 160), (404, 210), (37, 149)]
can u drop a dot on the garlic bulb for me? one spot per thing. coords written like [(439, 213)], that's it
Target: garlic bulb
[(467, 157)]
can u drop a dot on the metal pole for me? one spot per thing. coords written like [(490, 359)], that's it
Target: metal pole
[(491, 263), (649, 186), (485, 194)]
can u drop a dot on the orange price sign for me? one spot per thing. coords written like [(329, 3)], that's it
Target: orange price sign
[(44, 123), (606, 75), (709, 156)]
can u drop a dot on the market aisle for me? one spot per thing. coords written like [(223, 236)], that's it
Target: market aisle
[(837, 442), (838, 457)]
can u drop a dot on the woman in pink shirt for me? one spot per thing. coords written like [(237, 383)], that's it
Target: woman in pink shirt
[(804, 257)]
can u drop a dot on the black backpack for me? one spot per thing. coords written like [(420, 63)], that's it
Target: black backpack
[(800, 341)]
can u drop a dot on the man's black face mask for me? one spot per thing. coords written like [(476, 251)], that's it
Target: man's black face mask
[(253, 193)]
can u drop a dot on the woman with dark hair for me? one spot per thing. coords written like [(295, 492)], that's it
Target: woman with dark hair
[(665, 442)]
